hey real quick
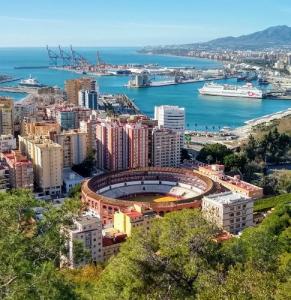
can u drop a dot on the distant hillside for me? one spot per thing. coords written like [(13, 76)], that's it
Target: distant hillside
[(276, 36)]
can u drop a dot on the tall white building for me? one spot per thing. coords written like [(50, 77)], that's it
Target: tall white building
[(172, 117), (87, 231), (229, 211)]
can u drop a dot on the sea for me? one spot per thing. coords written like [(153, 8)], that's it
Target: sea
[(202, 112)]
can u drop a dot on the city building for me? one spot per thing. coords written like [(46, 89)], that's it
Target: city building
[(47, 160), (7, 143), (67, 119), (230, 211), (71, 179), (111, 243), (112, 152), (121, 144), (137, 144), (20, 170), (133, 217), (86, 231), (234, 184), (39, 128), (90, 128), (6, 116), (4, 177), (73, 86), (88, 99), (166, 151), (74, 145), (172, 117)]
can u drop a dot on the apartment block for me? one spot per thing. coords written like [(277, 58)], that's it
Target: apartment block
[(86, 231), (112, 150), (137, 144), (20, 170), (47, 160), (134, 217), (172, 117), (39, 128), (6, 116), (74, 145), (230, 211), (7, 143), (166, 151), (73, 86)]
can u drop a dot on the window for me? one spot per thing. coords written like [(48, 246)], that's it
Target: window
[(231, 214)]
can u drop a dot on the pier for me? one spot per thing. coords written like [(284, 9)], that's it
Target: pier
[(18, 89)]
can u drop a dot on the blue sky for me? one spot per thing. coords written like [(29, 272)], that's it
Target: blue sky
[(134, 22)]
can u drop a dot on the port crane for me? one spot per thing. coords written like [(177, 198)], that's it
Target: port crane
[(53, 56), (66, 57), (78, 59)]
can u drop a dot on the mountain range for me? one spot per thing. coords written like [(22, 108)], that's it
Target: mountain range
[(276, 36)]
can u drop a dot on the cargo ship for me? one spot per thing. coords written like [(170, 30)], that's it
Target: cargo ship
[(226, 90)]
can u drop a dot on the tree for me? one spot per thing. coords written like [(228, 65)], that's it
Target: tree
[(216, 151), (30, 249), (235, 161), (164, 263)]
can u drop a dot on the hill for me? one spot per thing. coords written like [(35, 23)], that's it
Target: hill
[(276, 36)]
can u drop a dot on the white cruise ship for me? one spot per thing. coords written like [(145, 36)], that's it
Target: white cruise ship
[(31, 82), (226, 90)]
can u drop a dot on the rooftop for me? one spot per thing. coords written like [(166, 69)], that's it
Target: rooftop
[(227, 198)]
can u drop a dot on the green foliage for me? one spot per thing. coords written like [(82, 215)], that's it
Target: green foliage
[(235, 161), (75, 191), (213, 153), (273, 147), (29, 250), (268, 203), (86, 167)]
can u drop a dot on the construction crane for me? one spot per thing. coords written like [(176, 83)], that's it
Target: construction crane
[(53, 56), (66, 57)]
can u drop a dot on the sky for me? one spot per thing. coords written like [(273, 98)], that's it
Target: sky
[(100, 23)]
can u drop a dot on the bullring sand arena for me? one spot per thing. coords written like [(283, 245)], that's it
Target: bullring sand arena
[(163, 189)]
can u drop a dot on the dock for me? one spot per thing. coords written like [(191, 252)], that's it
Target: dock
[(172, 82), (18, 89)]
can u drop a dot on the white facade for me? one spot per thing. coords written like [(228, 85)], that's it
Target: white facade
[(7, 143), (172, 117), (230, 211), (87, 230)]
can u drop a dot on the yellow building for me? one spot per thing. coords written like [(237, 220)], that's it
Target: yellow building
[(39, 128), (6, 115), (73, 86), (134, 217), (47, 160)]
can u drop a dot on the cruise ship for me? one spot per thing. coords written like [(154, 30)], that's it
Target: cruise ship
[(226, 90), (31, 82)]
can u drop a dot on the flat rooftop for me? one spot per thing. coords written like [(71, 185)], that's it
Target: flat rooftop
[(227, 198)]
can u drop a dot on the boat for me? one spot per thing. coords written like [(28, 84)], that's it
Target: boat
[(31, 82), (226, 90)]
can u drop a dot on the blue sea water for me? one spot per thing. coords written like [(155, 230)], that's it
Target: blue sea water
[(201, 111)]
